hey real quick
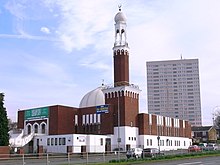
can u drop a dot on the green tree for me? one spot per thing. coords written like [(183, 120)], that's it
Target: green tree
[(4, 136)]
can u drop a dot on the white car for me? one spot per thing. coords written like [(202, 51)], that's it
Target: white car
[(134, 152), (211, 147)]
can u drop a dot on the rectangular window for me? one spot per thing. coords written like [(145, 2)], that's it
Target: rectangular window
[(94, 118), (150, 142), (48, 141), (64, 141), (150, 119), (99, 118), (101, 141), (84, 119), (52, 141), (87, 119), (91, 117), (76, 119), (60, 141), (55, 141)]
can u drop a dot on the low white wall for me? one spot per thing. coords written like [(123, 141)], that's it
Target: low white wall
[(166, 142), (93, 143)]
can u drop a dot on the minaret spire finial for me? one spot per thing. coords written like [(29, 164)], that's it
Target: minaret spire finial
[(119, 7), (103, 82)]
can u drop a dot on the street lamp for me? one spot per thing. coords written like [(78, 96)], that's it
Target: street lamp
[(158, 140), (158, 136), (119, 139)]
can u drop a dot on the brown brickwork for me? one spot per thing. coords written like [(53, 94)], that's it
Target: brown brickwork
[(4, 151), (188, 130), (143, 122), (20, 119), (61, 120), (106, 125), (121, 68), (40, 151), (154, 125), (146, 129), (131, 111), (181, 128), (128, 107)]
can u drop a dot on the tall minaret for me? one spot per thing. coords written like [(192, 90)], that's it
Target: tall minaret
[(121, 51), (123, 97)]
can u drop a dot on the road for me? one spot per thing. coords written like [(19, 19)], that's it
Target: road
[(212, 160)]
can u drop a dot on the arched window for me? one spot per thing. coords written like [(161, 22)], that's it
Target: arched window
[(35, 128), (43, 128), (29, 129), (115, 94), (112, 95)]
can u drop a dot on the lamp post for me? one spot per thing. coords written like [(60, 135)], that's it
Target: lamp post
[(158, 139), (119, 139)]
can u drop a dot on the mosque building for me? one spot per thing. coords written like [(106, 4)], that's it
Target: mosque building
[(107, 119)]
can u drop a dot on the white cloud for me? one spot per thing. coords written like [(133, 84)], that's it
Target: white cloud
[(45, 30), (27, 36), (16, 8), (157, 30), (81, 22)]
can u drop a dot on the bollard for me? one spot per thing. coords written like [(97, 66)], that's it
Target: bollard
[(23, 159), (104, 157), (48, 162), (87, 158), (68, 158)]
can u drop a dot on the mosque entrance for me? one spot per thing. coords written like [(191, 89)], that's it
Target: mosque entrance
[(107, 145)]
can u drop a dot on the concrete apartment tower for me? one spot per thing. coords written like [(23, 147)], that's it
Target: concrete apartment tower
[(173, 89)]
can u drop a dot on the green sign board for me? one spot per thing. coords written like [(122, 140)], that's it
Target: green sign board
[(36, 113)]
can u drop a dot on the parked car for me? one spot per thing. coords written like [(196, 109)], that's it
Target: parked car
[(151, 152), (118, 150), (194, 148), (134, 152), (202, 145), (211, 147)]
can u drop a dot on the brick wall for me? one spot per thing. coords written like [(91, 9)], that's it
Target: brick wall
[(4, 151)]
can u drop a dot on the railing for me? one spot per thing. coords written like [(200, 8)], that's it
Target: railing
[(58, 159), (73, 158), (21, 140)]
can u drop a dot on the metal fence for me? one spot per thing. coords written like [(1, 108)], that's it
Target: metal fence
[(59, 159), (68, 159)]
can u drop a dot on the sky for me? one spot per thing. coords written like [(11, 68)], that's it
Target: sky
[(55, 51)]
